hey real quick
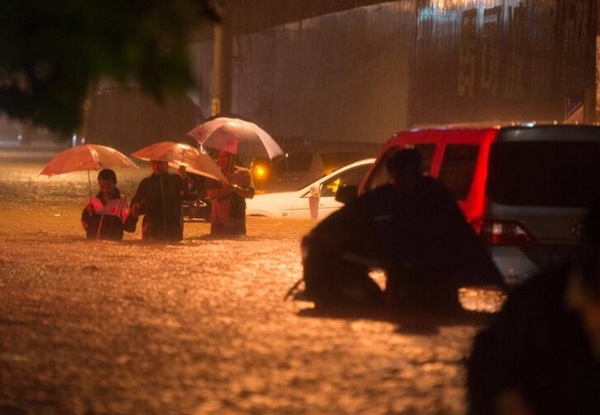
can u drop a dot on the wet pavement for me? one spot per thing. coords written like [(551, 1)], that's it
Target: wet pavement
[(190, 328)]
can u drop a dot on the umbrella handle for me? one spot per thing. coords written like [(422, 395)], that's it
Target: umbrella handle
[(230, 164), (89, 183), (164, 208), (90, 187)]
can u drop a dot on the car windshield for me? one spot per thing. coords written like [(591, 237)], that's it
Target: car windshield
[(544, 173), (352, 176)]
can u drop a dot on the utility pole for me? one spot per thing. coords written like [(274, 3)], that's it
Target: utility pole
[(222, 52), (83, 131), (597, 62), (591, 95)]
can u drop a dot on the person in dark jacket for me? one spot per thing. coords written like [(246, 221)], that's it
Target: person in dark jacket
[(541, 354), (158, 198), (413, 228), (107, 214)]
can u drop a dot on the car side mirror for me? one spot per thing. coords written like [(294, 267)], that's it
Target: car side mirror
[(346, 193)]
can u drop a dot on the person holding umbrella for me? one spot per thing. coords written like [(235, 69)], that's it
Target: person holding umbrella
[(107, 214), (228, 204), (232, 137), (158, 198)]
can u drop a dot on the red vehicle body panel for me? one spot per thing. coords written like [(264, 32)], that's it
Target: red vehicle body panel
[(473, 205)]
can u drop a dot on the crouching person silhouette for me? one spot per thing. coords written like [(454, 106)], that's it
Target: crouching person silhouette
[(412, 228)]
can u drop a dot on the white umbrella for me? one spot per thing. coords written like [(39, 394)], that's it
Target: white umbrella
[(177, 155), (236, 136)]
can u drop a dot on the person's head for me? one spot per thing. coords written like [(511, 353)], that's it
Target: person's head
[(583, 290), (404, 168), (224, 160), (107, 181), (159, 166)]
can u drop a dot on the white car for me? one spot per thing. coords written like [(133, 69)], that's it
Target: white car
[(315, 200)]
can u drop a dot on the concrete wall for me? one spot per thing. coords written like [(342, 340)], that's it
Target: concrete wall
[(338, 77), (359, 75)]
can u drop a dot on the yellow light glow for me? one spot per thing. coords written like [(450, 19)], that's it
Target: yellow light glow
[(260, 172)]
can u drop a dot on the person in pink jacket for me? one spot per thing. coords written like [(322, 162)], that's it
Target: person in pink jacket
[(107, 214)]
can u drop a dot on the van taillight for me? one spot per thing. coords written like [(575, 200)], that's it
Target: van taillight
[(497, 232)]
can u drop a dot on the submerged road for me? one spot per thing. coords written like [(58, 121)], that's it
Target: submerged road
[(198, 327)]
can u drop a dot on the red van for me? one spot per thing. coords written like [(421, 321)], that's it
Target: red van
[(524, 188)]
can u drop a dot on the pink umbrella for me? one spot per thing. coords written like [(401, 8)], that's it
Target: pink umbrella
[(236, 136)]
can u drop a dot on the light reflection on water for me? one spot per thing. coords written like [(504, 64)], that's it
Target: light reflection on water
[(478, 299), (204, 319), (20, 178)]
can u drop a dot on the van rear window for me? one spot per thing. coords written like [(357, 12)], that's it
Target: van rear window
[(535, 173), (380, 176), (458, 168)]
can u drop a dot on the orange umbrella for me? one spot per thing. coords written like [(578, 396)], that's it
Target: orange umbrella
[(177, 155), (86, 157)]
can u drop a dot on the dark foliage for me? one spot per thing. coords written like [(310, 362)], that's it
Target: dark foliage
[(51, 51)]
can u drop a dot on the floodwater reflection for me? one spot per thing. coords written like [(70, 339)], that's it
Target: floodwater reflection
[(195, 327)]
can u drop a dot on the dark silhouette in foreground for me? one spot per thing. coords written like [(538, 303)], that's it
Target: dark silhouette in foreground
[(414, 230), (541, 354)]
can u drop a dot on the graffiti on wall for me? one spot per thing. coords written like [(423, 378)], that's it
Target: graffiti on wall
[(502, 61)]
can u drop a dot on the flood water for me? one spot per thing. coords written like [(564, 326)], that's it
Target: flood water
[(190, 328)]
